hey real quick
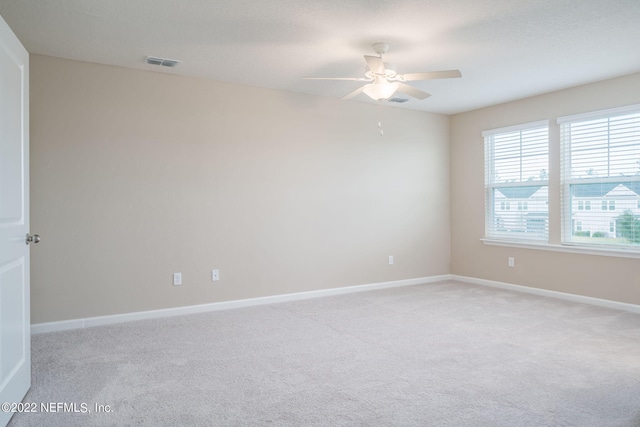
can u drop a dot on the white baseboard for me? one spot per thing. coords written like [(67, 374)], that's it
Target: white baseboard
[(65, 325), (552, 294)]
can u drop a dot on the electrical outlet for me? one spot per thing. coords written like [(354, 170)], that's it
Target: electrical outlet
[(177, 279), (390, 259), (215, 275), (512, 261)]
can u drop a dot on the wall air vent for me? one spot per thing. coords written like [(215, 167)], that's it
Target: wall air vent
[(162, 61), (398, 100)]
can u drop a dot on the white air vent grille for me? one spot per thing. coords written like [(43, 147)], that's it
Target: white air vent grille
[(162, 61)]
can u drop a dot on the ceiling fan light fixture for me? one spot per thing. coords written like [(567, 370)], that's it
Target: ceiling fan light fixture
[(380, 91)]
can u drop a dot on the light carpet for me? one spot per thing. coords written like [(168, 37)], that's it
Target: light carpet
[(443, 354)]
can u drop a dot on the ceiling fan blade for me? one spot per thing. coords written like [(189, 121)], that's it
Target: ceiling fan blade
[(352, 79), (447, 74), (354, 93), (375, 64), (412, 91)]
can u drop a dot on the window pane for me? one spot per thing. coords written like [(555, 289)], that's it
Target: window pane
[(603, 164), (514, 158)]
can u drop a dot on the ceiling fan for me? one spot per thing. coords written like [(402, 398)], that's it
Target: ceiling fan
[(384, 81)]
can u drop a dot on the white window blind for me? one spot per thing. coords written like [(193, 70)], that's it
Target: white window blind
[(601, 169), (517, 182)]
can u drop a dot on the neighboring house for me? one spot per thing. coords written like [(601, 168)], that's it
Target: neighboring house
[(523, 209), (596, 207)]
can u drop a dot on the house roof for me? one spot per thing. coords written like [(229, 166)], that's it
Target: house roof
[(519, 192), (600, 189), (589, 190)]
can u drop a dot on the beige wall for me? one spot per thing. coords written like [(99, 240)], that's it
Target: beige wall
[(611, 278), (136, 175)]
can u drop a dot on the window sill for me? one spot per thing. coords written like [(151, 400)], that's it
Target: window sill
[(585, 250)]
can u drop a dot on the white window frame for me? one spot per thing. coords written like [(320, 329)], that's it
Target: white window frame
[(491, 186), (567, 180)]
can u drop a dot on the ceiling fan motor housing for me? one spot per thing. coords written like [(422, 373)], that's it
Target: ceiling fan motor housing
[(389, 71)]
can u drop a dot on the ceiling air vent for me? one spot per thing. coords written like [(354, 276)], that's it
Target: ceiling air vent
[(162, 61), (398, 100)]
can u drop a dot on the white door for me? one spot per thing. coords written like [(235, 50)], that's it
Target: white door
[(15, 343)]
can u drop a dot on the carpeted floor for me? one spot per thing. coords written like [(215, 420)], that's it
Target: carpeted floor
[(444, 354)]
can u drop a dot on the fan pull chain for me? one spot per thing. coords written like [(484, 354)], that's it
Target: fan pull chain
[(380, 119)]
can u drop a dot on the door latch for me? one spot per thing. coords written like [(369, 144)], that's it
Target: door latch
[(33, 238)]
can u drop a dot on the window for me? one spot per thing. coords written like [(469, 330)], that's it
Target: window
[(516, 170), (601, 162), (609, 205)]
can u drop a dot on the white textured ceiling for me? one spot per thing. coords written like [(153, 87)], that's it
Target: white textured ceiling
[(505, 49)]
